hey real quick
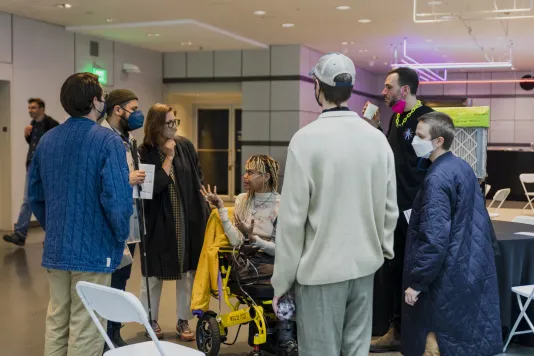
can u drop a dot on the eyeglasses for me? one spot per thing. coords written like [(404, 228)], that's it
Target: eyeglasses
[(173, 123)]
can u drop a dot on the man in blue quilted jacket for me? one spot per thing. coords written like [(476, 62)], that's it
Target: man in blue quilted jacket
[(79, 192), (451, 299)]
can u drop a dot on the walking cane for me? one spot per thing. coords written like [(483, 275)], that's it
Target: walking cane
[(142, 231)]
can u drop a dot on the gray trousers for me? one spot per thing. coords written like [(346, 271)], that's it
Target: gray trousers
[(335, 319)]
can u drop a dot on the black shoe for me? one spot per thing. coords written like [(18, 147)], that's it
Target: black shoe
[(116, 338), (15, 239)]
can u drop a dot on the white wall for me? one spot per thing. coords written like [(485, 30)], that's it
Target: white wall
[(511, 108), (37, 58), (43, 57), (5, 155), (148, 85)]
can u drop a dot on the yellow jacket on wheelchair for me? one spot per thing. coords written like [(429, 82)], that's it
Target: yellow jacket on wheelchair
[(206, 278)]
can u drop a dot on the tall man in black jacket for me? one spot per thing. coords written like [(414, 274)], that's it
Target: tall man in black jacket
[(399, 93), (40, 124)]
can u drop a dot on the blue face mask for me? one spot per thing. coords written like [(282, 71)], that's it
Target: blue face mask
[(136, 120)]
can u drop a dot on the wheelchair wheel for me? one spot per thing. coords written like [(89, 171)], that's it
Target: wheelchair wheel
[(208, 335)]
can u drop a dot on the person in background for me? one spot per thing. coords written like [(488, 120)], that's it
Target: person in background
[(337, 216), (40, 124), (452, 300), (399, 93), (123, 116), (80, 194), (176, 216)]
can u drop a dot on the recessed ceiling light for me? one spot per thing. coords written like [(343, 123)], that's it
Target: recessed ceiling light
[(364, 20), (157, 35), (435, 3), (344, 43), (429, 40), (386, 63), (260, 13), (188, 43), (445, 56), (64, 6), (288, 25), (351, 43), (109, 20), (153, 35), (343, 7), (362, 51), (513, 68)]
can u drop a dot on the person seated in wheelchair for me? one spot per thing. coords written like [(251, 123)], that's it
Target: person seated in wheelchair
[(255, 211), (255, 216)]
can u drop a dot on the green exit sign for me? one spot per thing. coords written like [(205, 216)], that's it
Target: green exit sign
[(102, 75)]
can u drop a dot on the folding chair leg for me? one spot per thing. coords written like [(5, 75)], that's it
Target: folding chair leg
[(523, 311), (530, 200), (521, 315)]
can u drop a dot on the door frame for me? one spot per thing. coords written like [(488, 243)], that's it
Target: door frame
[(231, 107)]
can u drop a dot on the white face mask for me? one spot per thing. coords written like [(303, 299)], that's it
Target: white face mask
[(422, 148)]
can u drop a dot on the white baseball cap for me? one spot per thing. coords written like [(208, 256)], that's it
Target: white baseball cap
[(330, 66)]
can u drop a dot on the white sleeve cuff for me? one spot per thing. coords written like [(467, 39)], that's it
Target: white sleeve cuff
[(223, 213)]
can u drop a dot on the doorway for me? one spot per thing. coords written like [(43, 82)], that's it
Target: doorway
[(5, 156), (218, 136)]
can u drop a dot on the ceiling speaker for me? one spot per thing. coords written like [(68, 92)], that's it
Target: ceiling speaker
[(526, 85)]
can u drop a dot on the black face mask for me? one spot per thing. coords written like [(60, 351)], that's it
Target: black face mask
[(317, 95), (124, 124)]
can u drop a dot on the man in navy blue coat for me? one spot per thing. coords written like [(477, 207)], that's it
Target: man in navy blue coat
[(450, 279)]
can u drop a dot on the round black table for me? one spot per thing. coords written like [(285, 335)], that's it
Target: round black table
[(515, 267)]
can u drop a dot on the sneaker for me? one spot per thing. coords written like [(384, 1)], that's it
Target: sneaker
[(184, 331), (16, 239), (390, 342), (157, 330)]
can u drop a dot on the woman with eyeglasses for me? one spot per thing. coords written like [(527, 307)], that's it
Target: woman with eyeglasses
[(255, 216), (176, 216), (256, 210)]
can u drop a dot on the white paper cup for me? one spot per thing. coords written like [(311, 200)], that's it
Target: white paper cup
[(370, 111)]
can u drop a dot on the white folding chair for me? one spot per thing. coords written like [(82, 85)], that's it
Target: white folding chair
[(500, 196), (123, 307), (524, 220), (527, 292), (488, 188), (527, 179)]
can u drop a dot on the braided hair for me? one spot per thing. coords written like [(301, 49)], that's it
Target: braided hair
[(263, 164)]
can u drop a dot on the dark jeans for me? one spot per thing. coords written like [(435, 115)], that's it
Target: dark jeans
[(25, 214), (118, 281), (396, 268)]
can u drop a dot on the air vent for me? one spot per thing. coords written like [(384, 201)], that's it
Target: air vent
[(93, 48)]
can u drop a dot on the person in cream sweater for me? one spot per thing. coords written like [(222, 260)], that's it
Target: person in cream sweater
[(337, 215)]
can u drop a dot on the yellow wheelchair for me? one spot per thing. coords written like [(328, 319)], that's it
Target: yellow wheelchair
[(253, 306)]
